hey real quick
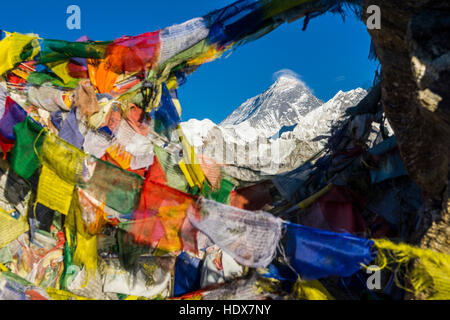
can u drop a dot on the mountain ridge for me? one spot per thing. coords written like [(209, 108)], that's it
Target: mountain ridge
[(283, 103), (287, 123)]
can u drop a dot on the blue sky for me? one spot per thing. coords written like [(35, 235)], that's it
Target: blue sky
[(329, 56)]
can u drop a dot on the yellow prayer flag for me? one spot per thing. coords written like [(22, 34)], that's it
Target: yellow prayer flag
[(11, 48), (120, 155), (60, 69), (53, 192), (185, 171), (312, 290), (3, 268), (177, 105), (10, 228), (57, 294), (192, 169), (63, 158), (136, 298), (429, 275)]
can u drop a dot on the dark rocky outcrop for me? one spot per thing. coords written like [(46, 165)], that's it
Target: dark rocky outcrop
[(413, 47)]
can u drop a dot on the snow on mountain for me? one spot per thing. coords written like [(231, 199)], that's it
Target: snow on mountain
[(318, 121), (283, 104), (197, 130), (273, 131)]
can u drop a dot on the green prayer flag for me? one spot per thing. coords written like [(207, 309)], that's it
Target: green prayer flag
[(29, 139)]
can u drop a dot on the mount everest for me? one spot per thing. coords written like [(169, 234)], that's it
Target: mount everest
[(274, 131)]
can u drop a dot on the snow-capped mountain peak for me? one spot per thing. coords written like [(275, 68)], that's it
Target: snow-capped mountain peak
[(319, 120), (287, 82), (283, 104), (286, 118)]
